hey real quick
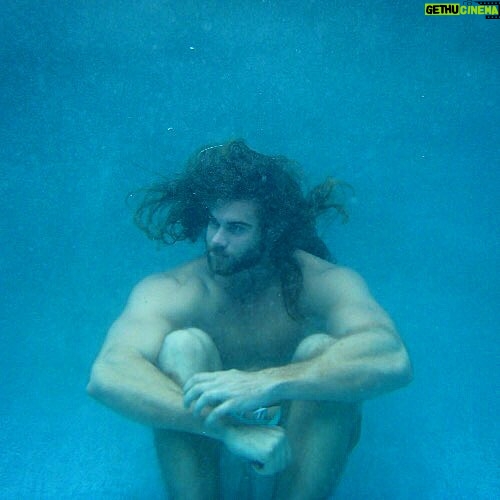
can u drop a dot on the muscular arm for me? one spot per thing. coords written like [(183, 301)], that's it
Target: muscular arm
[(365, 358), (124, 375)]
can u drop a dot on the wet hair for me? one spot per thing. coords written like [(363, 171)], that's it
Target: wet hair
[(178, 208)]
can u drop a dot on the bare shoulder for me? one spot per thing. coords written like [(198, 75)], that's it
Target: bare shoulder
[(158, 304), (172, 294), (318, 273), (339, 295)]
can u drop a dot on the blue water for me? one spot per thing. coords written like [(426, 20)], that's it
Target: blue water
[(96, 98)]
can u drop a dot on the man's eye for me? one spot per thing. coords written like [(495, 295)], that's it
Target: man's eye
[(236, 229), (213, 222)]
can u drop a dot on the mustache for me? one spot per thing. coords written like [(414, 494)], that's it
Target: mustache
[(219, 252)]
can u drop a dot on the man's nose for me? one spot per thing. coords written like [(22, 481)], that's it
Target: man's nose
[(219, 238)]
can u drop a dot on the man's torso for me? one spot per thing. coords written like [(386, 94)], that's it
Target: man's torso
[(251, 333)]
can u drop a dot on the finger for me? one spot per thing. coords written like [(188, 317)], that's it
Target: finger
[(207, 399), (203, 401), (195, 379), (194, 393), (223, 409)]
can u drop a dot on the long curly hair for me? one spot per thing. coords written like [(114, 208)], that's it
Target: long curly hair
[(178, 208)]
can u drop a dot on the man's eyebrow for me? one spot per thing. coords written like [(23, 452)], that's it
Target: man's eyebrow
[(236, 221), (211, 216), (239, 223)]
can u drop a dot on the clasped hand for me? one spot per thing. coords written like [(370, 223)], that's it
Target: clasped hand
[(214, 395), (222, 393)]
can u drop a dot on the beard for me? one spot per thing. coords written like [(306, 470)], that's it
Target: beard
[(227, 265)]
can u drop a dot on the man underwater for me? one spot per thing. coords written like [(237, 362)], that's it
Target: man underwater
[(262, 350)]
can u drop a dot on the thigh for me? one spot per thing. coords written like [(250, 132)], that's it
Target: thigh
[(321, 434), (189, 465), (186, 352)]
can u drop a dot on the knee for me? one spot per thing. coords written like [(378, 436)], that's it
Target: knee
[(312, 346), (188, 347)]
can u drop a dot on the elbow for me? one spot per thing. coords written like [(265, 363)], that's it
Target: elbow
[(398, 364), (402, 368), (96, 381), (100, 381), (109, 376)]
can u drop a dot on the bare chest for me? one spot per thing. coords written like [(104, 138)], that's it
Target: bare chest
[(256, 335)]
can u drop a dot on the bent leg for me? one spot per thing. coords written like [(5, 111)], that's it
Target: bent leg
[(189, 463), (321, 434)]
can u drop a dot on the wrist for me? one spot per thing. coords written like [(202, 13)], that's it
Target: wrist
[(219, 430), (285, 382)]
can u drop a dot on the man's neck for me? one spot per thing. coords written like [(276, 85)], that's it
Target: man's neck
[(248, 285)]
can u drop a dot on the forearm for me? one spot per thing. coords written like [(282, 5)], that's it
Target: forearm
[(137, 389), (357, 367)]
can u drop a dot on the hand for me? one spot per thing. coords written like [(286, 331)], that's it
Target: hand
[(266, 447), (221, 393)]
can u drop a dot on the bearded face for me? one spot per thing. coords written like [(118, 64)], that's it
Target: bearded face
[(234, 238)]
